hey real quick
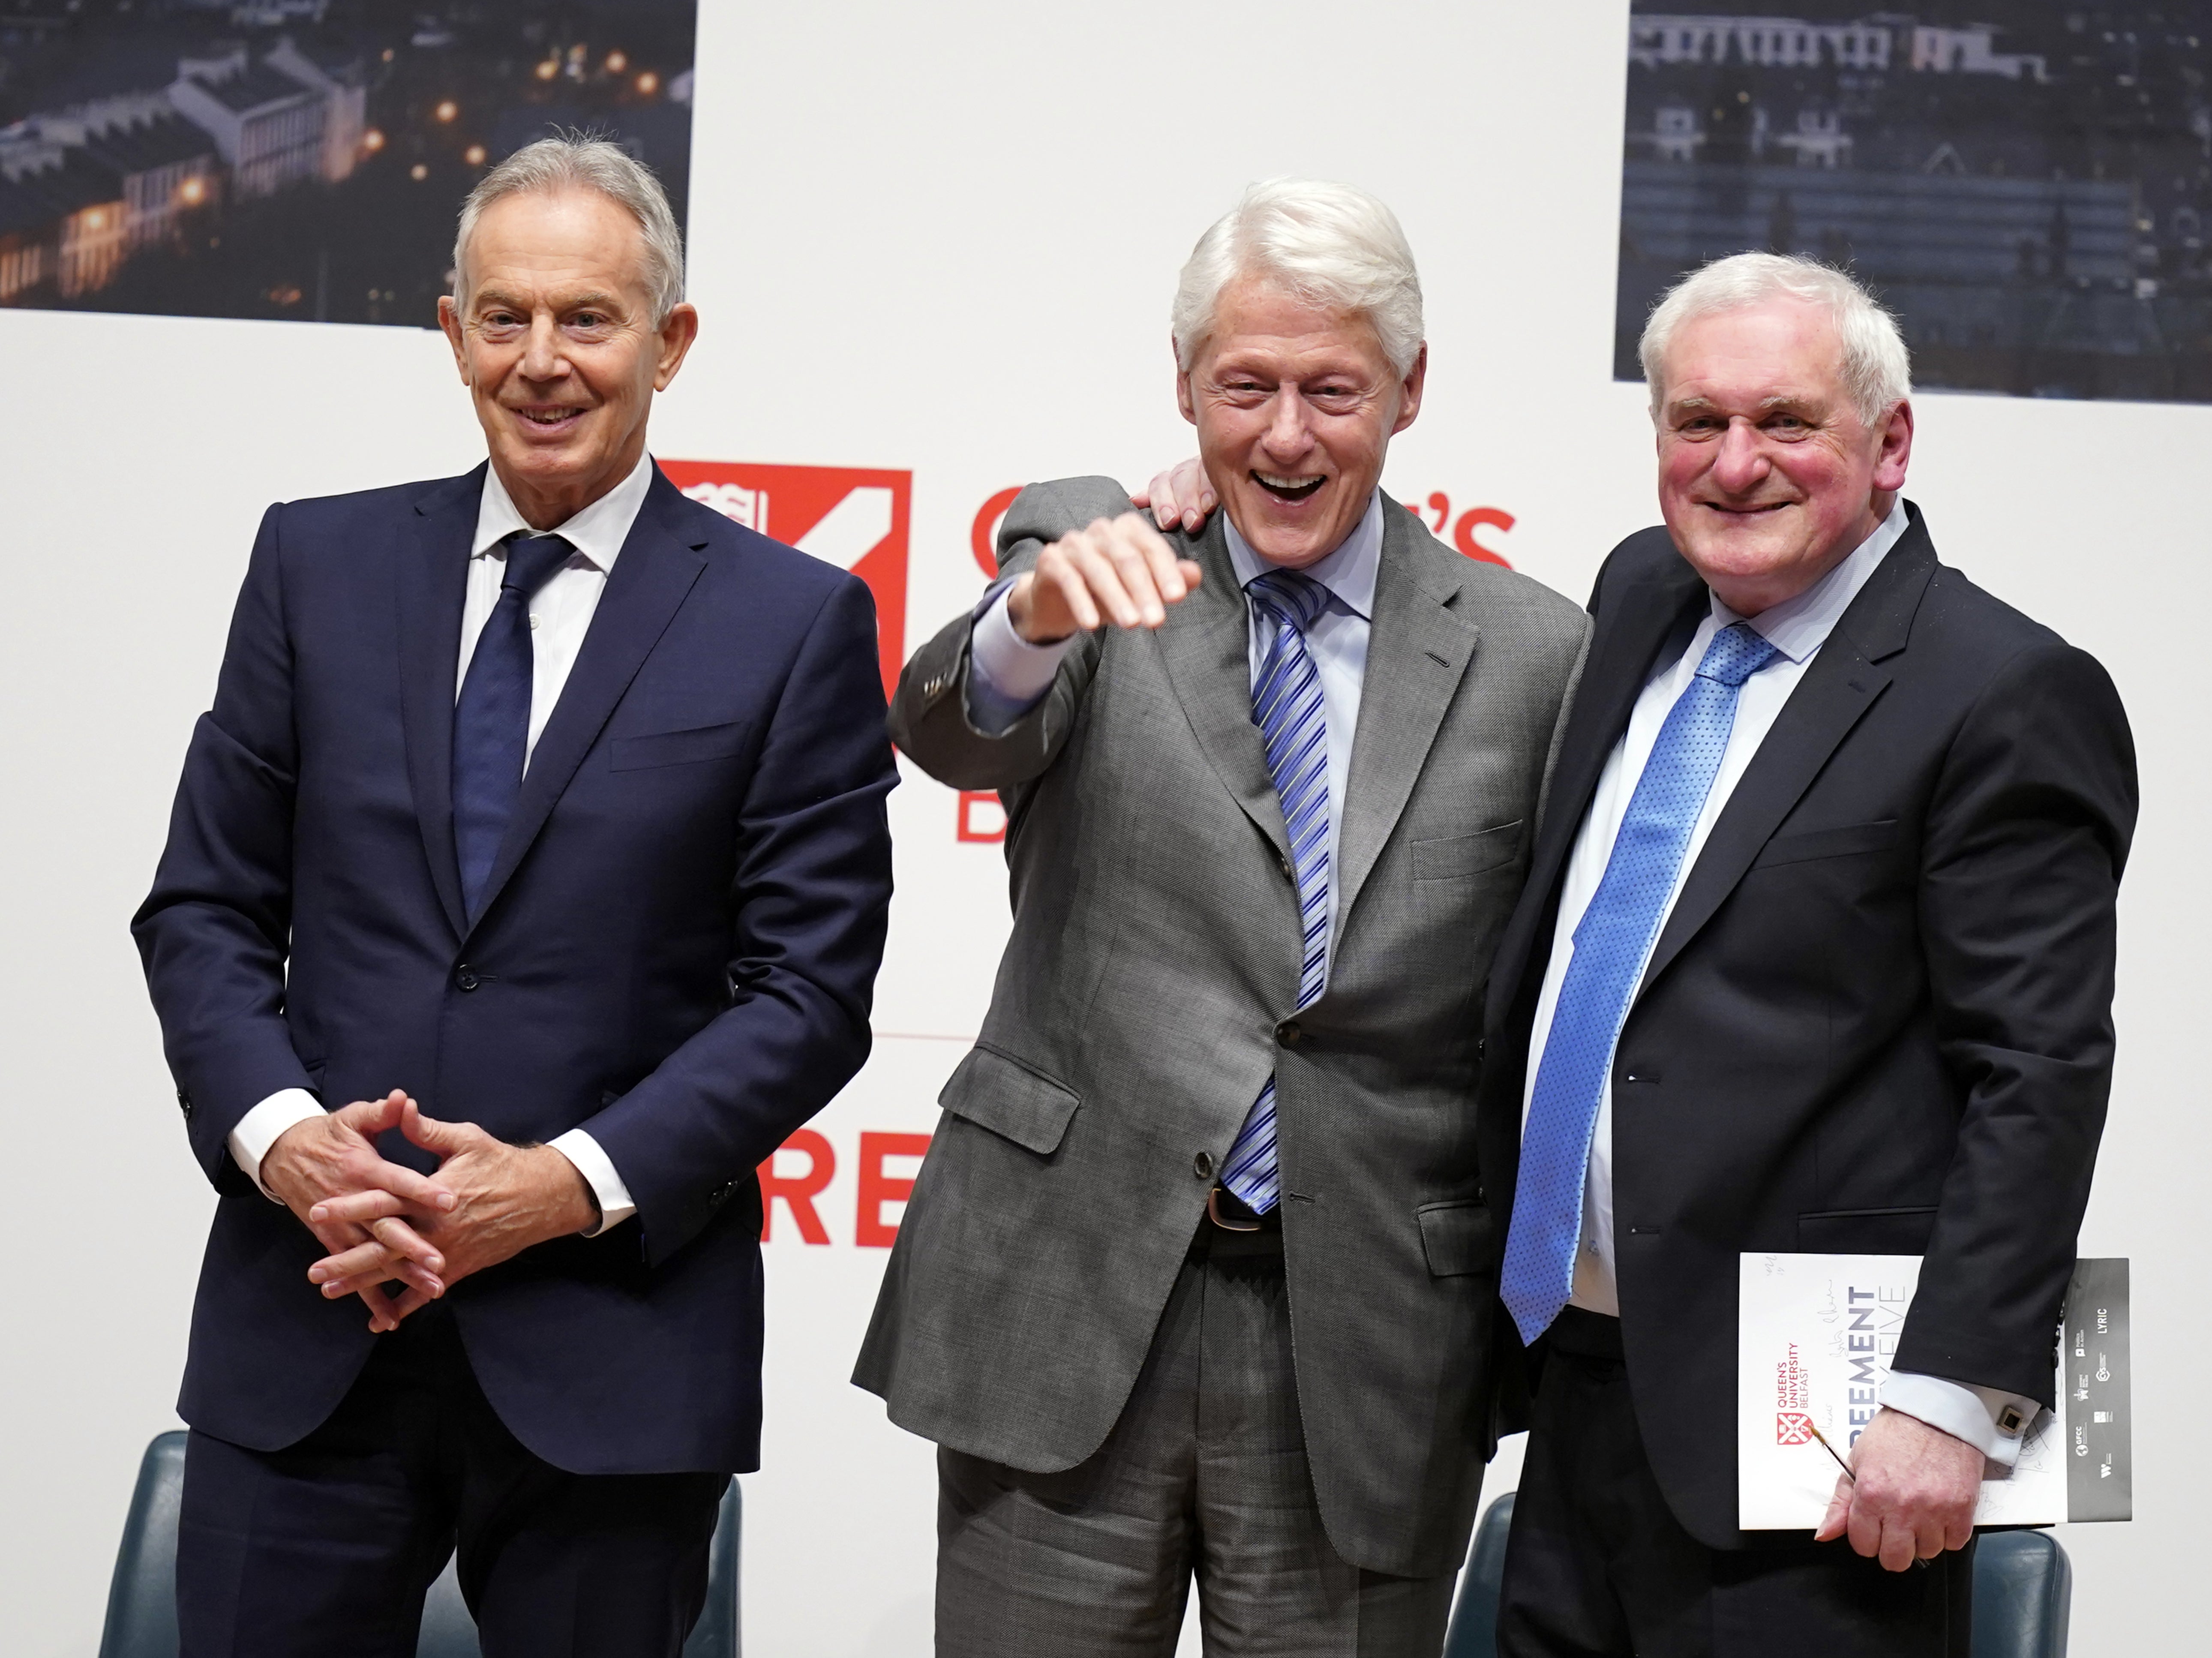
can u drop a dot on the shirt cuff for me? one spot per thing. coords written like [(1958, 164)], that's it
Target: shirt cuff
[(1008, 676), (1992, 1422), (258, 1130), (598, 1172)]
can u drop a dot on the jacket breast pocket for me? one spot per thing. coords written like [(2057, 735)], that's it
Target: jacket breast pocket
[(1867, 1231), (1828, 843), (998, 1092), (1455, 1237), (680, 747), (1453, 857)]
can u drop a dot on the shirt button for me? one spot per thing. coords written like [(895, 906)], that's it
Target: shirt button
[(465, 977), (1202, 1166), (1288, 1033), (533, 624)]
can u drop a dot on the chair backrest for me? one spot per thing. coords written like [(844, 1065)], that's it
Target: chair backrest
[(2023, 1592), (1473, 1632), (2023, 1596), (142, 1598)]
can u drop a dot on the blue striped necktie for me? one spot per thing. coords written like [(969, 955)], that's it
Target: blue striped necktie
[(1286, 707), (1611, 944), (491, 718)]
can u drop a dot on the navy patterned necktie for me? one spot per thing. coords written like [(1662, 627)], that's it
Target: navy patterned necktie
[(1286, 707), (1612, 942), (491, 719)]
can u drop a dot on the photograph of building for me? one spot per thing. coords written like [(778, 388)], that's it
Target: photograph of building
[(299, 159), (2030, 195)]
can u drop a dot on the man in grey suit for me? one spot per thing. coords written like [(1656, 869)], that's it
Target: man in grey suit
[(1197, 1278)]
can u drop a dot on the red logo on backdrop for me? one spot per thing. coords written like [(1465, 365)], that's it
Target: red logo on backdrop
[(849, 516), (1792, 1428)]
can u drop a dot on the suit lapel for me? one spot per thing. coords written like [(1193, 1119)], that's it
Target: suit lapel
[(1650, 609), (1842, 684), (1207, 648), (432, 577), (660, 562), (1422, 646)]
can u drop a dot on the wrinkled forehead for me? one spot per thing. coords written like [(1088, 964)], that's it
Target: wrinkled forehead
[(1261, 321), (554, 243), (1780, 352)]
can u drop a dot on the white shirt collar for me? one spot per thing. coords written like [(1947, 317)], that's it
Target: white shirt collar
[(1348, 572), (1798, 627), (597, 532)]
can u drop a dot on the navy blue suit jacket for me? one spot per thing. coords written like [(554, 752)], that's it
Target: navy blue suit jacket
[(677, 953)]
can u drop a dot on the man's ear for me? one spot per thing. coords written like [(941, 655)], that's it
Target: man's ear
[(1183, 399), (449, 320), (1409, 393), (676, 335), (1895, 453)]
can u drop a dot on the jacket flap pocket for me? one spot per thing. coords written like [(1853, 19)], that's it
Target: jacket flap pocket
[(682, 747), (1455, 1236), (1001, 1094), (1828, 843), (1867, 1231), (1457, 855)]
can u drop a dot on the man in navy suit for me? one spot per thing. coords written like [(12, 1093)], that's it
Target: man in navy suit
[(540, 816)]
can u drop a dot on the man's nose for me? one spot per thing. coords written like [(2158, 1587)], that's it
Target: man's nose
[(1288, 434), (541, 357), (1741, 465)]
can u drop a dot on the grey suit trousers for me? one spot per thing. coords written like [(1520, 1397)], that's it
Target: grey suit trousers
[(1204, 1477)]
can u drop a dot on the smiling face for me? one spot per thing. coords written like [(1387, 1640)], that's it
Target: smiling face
[(1295, 407), (1768, 478), (555, 339)]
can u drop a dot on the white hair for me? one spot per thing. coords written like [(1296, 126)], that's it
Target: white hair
[(1877, 368), (1334, 245), (580, 161)]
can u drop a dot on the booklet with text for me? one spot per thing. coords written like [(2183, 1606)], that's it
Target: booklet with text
[(1816, 1334)]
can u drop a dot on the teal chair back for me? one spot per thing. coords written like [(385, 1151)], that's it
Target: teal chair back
[(142, 1599), (2023, 1592)]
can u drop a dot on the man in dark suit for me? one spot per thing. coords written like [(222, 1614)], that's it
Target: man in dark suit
[(555, 801), (1816, 953)]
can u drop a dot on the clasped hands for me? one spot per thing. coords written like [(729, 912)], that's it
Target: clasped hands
[(384, 1223)]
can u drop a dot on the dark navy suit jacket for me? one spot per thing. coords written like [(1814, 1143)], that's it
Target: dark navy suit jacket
[(677, 952)]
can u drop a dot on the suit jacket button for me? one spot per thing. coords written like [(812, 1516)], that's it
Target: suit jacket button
[(1289, 873), (464, 976), (1202, 1166), (1288, 1033), (185, 1104), (1481, 1046)]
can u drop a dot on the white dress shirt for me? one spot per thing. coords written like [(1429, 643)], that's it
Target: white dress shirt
[(560, 615), (1796, 629), (1008, 676)]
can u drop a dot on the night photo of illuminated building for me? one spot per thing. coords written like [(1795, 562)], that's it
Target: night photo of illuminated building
[(2030, 195), (299, 159)]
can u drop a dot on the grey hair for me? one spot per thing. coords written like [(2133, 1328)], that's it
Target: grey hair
[(1331, 244), (581, 160), (1877, 367)]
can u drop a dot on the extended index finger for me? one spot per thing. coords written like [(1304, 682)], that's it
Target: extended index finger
[(1158, 558)]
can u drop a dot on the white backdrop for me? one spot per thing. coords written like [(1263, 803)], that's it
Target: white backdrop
[(942, 239)]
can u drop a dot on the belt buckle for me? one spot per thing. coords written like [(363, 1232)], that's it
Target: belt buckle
[(1214, 1214)]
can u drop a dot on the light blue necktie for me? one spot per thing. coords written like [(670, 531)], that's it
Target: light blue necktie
[(1612, 943), (1286, 707)]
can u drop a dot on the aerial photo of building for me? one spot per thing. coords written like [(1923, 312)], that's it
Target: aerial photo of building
[(299, 159), (2029, 194)]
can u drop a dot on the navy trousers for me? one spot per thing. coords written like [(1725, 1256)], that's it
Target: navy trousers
[(1597, 1565), (325, 1549)]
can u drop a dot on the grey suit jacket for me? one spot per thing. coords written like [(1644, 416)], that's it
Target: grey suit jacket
[(1148, 990)]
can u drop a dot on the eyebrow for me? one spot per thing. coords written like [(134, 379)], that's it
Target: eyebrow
[(1796, 400), (491, 296)]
